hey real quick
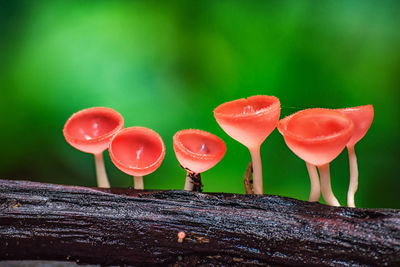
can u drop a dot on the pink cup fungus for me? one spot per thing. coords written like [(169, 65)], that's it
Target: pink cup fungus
[(197, 151), (317, 136), (137, 151), (91, 130), (250, 121), (362, 117)]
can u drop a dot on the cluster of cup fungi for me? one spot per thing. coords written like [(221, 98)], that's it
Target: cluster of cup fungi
[(315, 135)]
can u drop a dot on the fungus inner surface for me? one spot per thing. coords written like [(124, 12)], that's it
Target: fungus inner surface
[(137, 150), (200, 144), (314, 126), (90, 126)]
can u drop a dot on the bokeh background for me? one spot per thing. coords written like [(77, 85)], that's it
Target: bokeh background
[(166, 65)]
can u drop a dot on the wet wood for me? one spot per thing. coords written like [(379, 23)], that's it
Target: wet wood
[(127, 227)]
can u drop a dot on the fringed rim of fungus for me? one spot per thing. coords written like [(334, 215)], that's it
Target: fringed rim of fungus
[(223, 111)]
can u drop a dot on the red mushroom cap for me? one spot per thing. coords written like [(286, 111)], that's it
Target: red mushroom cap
[(362, 117), (137, 151), (249, 121), (91, 130), (316, 135), (198, 150)]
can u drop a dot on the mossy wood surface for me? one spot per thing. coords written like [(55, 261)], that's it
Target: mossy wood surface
[(127, 227)]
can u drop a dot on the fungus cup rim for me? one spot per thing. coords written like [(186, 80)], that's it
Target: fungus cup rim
[(273, 106), (357, 108)]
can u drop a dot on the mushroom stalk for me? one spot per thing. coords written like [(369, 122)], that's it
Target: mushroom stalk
[(257, 171), (102, 180), (188, 182), (138, 182), (353, 177), (326, 187), (315, 191)]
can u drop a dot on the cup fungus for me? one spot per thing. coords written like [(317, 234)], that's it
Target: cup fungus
[(181, 236), (362, 117), (250, 121), (317, 136), (91, 130), (197, 151), (137, 151)]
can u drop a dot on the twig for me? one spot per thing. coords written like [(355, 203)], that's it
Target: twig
[(248, 182)]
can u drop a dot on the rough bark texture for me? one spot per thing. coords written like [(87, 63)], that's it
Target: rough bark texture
[(127, 227)]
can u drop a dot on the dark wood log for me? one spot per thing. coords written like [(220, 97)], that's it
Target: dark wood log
[(126, 227)]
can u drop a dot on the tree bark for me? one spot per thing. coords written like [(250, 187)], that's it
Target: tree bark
[(127, 227)]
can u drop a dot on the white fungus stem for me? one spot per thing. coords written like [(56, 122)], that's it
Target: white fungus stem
[(315, 192), (326, 187), (102, 180), (257, 171), (138, 182), (188, 183), (353, 177)]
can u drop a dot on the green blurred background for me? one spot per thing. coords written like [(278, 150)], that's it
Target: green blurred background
[(166, 65)]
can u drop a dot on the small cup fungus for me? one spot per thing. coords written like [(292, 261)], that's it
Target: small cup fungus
[(197, 151), (250, 121), (181, 236), (317, 136), (362, 117), (91, 130), (137, 151)]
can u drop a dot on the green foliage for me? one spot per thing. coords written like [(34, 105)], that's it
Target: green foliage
[(167, 65)]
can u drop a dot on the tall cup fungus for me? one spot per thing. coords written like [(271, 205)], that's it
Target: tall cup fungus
[(250, 121), (362, 117), (91, 130)]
